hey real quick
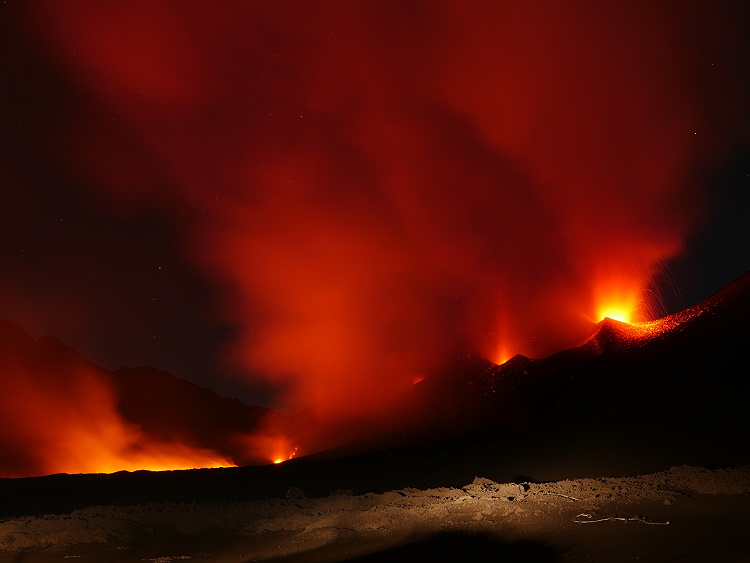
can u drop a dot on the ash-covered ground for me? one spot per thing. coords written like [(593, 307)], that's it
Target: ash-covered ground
[(684, 513)]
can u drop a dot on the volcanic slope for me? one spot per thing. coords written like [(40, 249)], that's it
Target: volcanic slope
[(630, 399), (619, 404)]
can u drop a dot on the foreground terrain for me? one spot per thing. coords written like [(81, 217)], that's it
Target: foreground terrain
[(685, 514)]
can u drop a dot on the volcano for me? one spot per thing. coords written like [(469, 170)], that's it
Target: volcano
[(678, 376), (429, 238), (642, 395), (630, 402)]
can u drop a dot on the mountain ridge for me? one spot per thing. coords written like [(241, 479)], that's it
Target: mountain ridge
[(49, 385)]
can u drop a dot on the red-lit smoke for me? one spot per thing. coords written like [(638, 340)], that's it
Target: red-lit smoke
[(59, 414), (372, 185)]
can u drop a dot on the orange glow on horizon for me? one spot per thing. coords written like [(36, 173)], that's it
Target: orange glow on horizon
[(65, 420), (156, 457)]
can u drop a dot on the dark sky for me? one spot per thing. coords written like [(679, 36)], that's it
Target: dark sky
[(110, 282), (108, 244)]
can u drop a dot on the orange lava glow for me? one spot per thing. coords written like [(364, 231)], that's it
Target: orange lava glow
[(289, 456), (501, 346), (619, 298), (502, 356), (64, 420), (271, 446), (621, 314), (645, 330)]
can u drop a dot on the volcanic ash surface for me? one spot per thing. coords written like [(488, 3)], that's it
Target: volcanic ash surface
[(296, 524)]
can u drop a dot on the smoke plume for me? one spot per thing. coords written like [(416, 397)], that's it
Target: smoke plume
[(374, 186)]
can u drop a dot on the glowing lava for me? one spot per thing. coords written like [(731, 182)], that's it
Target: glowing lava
[(289, 456), (269, 445), (619, 314), (619, 297), (502, 355), (640, 331), (283, 459)]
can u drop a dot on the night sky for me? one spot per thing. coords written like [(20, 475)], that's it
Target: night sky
[(122, 176)]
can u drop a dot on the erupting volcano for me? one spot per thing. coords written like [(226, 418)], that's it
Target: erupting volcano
[(432, 240), (321, 206)]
